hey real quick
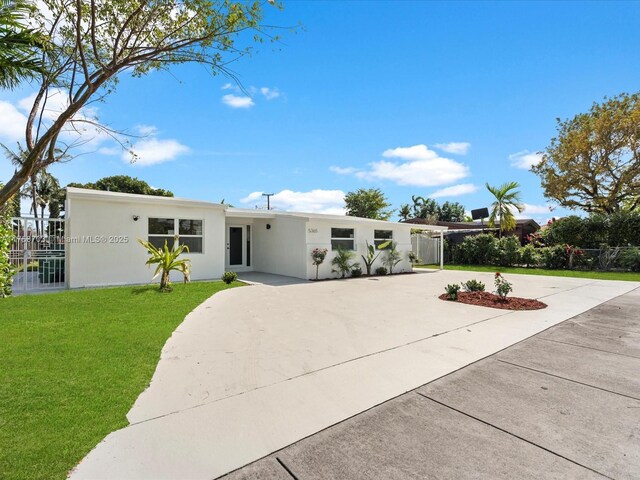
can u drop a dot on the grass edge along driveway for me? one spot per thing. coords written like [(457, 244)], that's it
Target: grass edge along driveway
[(73, 363), (594, 274)]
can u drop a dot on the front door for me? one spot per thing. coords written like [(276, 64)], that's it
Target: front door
[(238, 246)]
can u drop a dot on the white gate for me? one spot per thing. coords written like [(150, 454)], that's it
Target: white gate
[(426, 248), (38, 253)]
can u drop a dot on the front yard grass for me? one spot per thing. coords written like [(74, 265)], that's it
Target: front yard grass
[(628, 276), (72, 364)]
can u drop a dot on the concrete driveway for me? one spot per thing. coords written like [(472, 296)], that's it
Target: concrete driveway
[(257, 368)]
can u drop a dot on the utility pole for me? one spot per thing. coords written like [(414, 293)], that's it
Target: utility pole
[(268, 195)]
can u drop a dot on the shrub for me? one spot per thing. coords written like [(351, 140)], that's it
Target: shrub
[(503, 287), (7, 270), (413, 258), (630, 259), (555, 257), (381, 271), (356, 271), (229, 277), (529, 256), (317, 256), (343, 262), (508, 251), (473, 286), (479, 249), (452, 291)]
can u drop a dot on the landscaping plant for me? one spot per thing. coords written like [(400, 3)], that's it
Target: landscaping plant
[(630, 259), (356, 271), (413, 258), (372, 255), (473, 286), (317, 256), (392, 258), (229, 277), (503, 287), (381, 271), (167, 260), (343, 262), (7, 269), (452, 291)]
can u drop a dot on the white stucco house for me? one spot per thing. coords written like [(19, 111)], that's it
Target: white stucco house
[(102, 229)]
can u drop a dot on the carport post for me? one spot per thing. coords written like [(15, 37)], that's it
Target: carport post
[(441, 250)]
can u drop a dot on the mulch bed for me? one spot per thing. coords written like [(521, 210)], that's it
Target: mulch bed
[(486, 299)]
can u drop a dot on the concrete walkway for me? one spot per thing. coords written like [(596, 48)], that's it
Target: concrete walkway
[(257, 368), (563, 404)]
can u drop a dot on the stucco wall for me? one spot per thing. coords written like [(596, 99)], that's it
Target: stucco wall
[(113, 261), (318, 234), (282, 248)]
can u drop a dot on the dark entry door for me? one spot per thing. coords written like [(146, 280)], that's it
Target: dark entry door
[(235, 246)]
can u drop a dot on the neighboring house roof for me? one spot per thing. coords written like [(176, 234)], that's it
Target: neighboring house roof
[(470, 225)]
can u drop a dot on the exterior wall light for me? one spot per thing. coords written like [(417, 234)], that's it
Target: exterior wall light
[(136, 218)]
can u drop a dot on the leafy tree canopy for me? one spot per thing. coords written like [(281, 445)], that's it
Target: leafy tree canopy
[(432, 211), (91, 42), (594, 162), (368, 203), (124, 184)]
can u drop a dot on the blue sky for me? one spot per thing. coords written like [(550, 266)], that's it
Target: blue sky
[(415, 98)]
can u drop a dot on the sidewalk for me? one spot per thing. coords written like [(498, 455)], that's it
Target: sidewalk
[(562, 404)]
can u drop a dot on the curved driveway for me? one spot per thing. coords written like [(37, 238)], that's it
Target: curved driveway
[(256, 368)]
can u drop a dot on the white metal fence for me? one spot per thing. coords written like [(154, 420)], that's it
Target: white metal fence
[(426, 248), (38, 253)]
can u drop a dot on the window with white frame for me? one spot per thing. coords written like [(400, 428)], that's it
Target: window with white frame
[(382, 236), (342, 237), (165, 229)]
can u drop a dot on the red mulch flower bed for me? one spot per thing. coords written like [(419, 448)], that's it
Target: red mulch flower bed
[(486, 299)]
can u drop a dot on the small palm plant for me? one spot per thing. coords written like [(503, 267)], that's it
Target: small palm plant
[(392, 258), (167, 260), (343, 262)]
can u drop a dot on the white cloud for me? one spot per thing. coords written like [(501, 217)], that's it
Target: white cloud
[(269, 93), (343, 170), (419, 166), (455, 190), (532, 211), (110, 150), (525, 159), (458, 148), (227, 86), (314, 201), (147, 130), (237, 101), (12, 123), (151, 151)]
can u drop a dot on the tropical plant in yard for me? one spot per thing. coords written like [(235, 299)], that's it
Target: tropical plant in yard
[(166, 260), (503, 287), (356, 271), (392, 257), (413, 258), (452, 291), (317, 257), (507, 199), (343, 262), (381, 271), (372, 256)]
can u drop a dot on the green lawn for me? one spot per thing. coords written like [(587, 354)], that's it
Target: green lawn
[(73, 363), (629, 276)]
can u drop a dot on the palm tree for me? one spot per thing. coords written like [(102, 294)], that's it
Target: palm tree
[(405, 212), (18, 44), (17, 158), (47, 190), (507, 197)]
